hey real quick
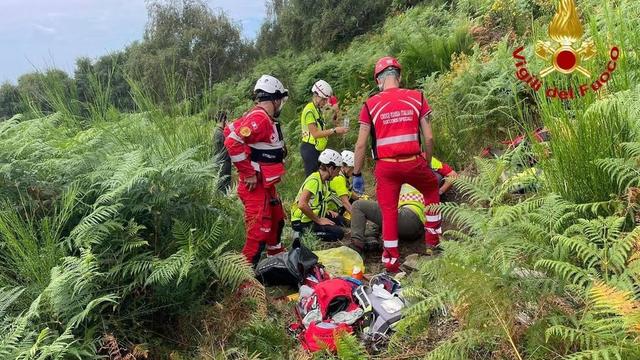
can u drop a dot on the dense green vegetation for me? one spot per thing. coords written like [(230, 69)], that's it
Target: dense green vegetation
[(114, 241)]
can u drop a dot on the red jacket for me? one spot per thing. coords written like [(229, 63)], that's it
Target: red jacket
[(231, 126), (255, 144), (394, 116)]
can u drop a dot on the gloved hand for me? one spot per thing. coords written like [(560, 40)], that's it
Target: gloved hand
[(391, 259), (358, 184)]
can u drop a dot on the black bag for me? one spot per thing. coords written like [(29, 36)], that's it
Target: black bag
[(288, 268)]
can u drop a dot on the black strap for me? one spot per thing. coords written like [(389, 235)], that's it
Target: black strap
[(272, 156), (372, 130), (419, 118), (319, 119)]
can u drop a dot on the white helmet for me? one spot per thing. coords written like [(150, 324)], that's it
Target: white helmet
[(269, 88), (322, 89), (348, 157), (330, 157)]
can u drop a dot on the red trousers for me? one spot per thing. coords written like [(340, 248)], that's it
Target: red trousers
[(263, 220), (390, 176)]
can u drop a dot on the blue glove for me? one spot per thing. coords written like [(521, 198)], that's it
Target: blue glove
[(358, 184)]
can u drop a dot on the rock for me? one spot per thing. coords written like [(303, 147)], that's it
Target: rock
[(411, 261), (527, 273)]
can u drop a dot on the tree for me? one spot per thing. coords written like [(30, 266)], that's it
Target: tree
[(107, 73), (48, 92), (10, 103), (186, 43), (322, 25), (82, 75), (111, 68)]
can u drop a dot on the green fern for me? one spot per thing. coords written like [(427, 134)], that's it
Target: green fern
[(459, 346), (231, 269), (600, 246), (607, 352), (349, 348)]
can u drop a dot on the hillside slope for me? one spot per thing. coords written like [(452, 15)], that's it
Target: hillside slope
[(114, 241)]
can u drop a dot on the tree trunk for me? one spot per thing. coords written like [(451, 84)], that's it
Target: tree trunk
[(210, 73)]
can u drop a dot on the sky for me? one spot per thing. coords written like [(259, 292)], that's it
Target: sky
[(41, 34)]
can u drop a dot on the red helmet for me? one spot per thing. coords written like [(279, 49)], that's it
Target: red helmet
[(384, 63)]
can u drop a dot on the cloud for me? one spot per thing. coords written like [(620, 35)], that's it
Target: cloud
[(57, 14), (44, 29), (63, 30)]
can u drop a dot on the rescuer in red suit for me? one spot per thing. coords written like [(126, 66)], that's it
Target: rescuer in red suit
[(256, 148), (395, 119)]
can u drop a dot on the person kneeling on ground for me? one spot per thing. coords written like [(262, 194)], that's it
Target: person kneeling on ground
[(309, 212), (342, 195)]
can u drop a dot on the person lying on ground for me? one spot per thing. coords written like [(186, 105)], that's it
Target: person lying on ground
[(309, 212), (411, 218), (410, 212), (445, 175)]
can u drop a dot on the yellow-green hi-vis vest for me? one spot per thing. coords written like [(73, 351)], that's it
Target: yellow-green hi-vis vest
[(411, 198), (311, 115)]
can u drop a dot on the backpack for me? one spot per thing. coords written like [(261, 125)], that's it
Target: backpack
[(381, 313), (323, 335), (290, 268), (329, 308)]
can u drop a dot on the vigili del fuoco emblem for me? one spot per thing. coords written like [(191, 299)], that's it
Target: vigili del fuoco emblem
[(565, 53)]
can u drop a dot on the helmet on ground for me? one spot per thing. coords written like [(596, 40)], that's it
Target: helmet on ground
[(385, 63), (330, 157), (322, 89), (269, 88), (348, 157)]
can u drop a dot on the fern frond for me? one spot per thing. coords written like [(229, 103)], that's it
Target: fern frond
[(59, 347), (595, 208), (458, 346), (169, 269), (569, 272), (81, 316), (128, 173), (466, 218), (621, 251), (232, 269), (602, 353), (632, 149), (349, 348), (584, 339), (87, 232), (587, 251), (7, 297), (610, 300), (455, 235), (505, 214), (625, 172), (471, 188)]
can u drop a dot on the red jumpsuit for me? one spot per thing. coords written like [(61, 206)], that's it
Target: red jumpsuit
[(256, 147), (394, 117)]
